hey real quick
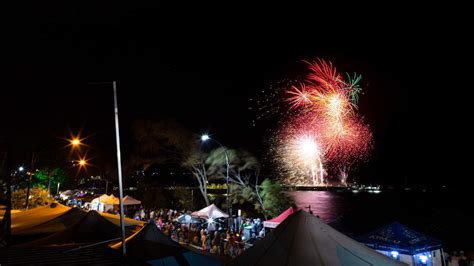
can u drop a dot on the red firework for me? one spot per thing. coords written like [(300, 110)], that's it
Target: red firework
[(300, 97), (324, 77), (326, 114)]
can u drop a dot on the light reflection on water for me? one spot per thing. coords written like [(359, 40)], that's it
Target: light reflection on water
[(428, 212), (327, 205)]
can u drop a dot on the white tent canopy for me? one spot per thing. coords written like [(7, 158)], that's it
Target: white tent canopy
[(303, 239), (105, 199), (210, 211), (104, 203)]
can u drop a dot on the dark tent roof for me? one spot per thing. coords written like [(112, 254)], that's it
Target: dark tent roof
[(25, 220), (396, 236), (92, 228), (150, 245), (303, 239), (97, 255), (57, 224)]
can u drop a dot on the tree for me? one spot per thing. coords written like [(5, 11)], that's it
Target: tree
[(274, 198), (38, 197), (181, 198), (243, 175), (156, 144), (197, 163), (166, 141), (244, 169), (159, 142), (50, 178)]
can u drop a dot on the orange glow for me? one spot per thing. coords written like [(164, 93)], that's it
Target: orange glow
[(75, 142)]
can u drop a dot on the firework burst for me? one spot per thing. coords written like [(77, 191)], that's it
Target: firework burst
[(301, 154), (323, 127)]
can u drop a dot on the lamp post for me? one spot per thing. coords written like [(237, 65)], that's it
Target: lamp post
[(205, 138), (119, 163)]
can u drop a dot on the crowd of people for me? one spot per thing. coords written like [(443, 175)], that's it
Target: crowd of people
[(213, 237), (455, 258)]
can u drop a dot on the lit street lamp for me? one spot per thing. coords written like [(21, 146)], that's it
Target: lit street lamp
[(75, 142), (20, 169), (205, 138)]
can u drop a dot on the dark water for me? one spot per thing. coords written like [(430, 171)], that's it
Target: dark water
[(448, 216)]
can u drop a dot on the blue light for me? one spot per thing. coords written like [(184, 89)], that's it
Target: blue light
[(423, 258), (394, 254)]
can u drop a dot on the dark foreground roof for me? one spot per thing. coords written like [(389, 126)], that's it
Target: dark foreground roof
[(92, 228), (302, 239), (99, 255)]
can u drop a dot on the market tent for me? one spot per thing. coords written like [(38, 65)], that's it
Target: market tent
[(210, 211), (106, 199), (396, 236), (96, 255), (279, 219), (303, 239), (25, 220), (92, 228), (127, 200), (104, 203), (115, 218), (187, 219), (64, 195), (56, 224), (3, 210), (150, 246)]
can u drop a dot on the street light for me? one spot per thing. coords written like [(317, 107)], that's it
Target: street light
[(204, 138), (82, 162), (20, 169), (75, 142)]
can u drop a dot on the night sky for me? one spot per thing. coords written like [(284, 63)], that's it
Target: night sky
[(201, 64)]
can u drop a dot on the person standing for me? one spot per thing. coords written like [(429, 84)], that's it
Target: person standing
[(203, 241), (454, 259), (208, 241), (222, 243), (462, 259)]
